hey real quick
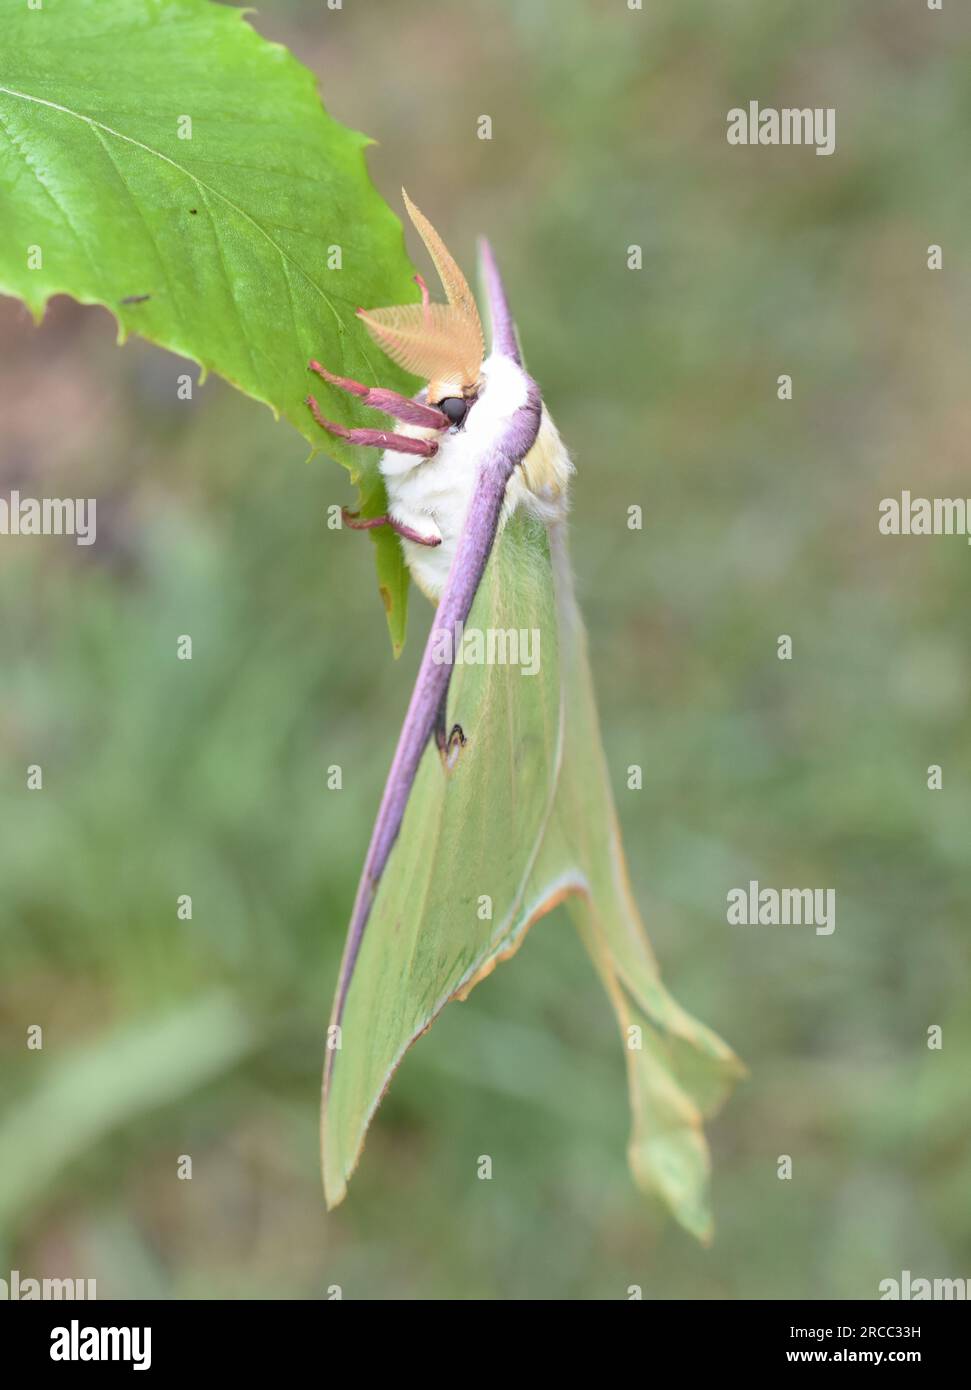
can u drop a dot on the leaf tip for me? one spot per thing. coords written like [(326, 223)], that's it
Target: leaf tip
[(334, 1193)]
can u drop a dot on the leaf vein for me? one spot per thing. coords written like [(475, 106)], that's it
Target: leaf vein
[(173, 297), (59, 206)]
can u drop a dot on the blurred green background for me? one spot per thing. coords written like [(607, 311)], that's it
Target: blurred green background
[(164, 1037)]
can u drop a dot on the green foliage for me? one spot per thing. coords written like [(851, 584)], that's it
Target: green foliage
[(160, 158), (81, 1096)]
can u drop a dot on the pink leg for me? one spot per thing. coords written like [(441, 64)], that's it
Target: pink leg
[(352, 520), (378, 439), (412, 412)]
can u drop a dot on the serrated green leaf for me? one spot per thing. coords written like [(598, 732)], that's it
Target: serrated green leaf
[(161, 152), (525, 821)]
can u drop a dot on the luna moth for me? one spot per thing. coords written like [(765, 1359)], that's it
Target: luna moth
[(498, 794)]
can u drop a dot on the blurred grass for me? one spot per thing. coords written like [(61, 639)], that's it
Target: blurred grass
[(165, 777)]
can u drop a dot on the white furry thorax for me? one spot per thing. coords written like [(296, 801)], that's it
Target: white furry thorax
[(432, 495)]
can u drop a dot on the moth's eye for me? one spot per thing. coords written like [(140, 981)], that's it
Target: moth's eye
[(455, 407)]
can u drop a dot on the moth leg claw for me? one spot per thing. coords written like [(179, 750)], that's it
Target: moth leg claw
[(398, 406), (357, 523), (449, 748), (375, 439)]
